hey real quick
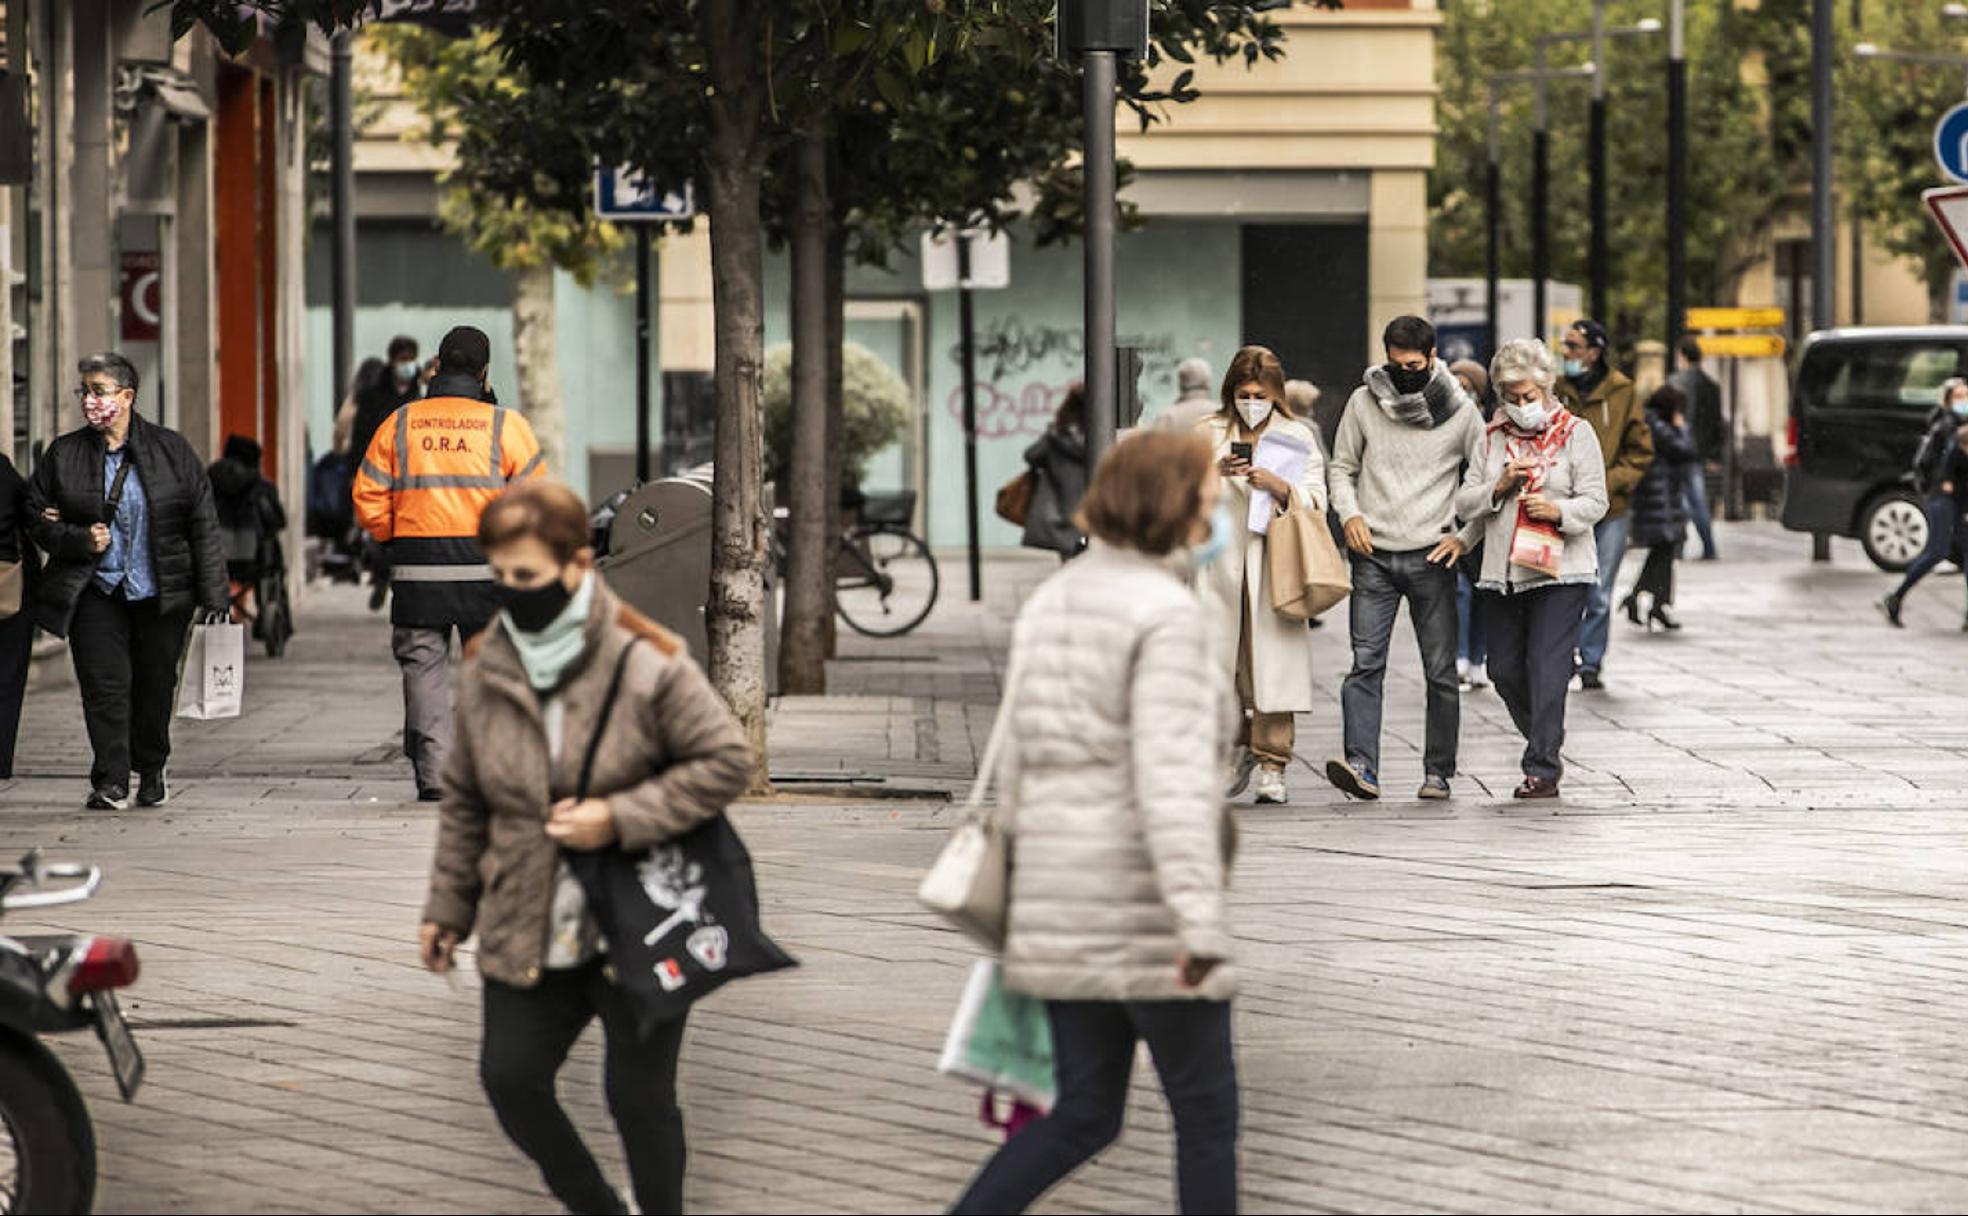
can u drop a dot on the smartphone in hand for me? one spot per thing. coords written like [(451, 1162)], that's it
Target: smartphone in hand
[(1241, 451)]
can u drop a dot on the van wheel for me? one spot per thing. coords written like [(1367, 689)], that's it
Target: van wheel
[(1893, 529)]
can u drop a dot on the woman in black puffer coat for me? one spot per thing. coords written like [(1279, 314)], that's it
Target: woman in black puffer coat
[(1660, 515)]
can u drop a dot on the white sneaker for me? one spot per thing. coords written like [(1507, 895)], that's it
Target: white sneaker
[(1271, 786), (1462, 669), (1479, 675), (1237, 780)]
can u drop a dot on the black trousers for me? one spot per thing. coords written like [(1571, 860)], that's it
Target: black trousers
[(1093, 1055), (16, 655), (126, 664), (1532, 636), (528, 1033), (1657, 576)]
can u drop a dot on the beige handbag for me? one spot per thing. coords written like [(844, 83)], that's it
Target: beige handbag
[(1304, 566), (969, 883)]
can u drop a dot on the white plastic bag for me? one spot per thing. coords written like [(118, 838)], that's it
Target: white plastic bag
[(1000, 1039), (213, 679)]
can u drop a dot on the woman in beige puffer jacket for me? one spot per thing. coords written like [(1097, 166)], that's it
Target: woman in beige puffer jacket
[(1119, 720)]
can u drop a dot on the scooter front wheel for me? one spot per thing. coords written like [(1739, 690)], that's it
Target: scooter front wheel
[(47, 1144)]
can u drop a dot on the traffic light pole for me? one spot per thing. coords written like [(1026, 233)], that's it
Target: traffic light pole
[(1101, 398)]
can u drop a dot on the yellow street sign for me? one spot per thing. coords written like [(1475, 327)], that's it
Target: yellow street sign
[(1742, 346), (1735, 318)]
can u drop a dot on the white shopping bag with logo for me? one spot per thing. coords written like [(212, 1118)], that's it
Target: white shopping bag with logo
[(212, 682)]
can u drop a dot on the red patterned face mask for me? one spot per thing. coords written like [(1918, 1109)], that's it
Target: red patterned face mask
[(102, 412)]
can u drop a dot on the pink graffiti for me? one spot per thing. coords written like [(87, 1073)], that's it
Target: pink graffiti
[(1004, 414)]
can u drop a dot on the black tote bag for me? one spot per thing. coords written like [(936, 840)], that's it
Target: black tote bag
[(682, 919)]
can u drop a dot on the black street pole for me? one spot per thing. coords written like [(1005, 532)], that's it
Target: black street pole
[(966, 322), (1102, 417), (1596, 166), (341, 118), (1493, 257), (642, 352), (1540, 223), (1677, 179), (1824, 230)]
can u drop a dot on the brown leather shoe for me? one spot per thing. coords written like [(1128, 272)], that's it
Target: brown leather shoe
[(1537, 787)]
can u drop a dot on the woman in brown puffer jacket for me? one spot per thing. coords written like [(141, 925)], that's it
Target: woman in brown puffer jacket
[(670, 757)]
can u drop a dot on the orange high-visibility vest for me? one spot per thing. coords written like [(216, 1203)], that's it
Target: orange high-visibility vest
[(428, 475)]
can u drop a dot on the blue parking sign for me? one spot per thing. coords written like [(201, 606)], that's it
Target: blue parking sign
[(1951, 142), (622, 192)]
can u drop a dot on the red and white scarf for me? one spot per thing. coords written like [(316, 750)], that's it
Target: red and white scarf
[(1539, 448)]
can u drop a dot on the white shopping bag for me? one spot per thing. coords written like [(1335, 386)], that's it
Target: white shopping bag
[(1001, 1039), (212, 683)]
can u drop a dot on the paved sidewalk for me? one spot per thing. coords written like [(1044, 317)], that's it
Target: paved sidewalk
[(1724, 974)]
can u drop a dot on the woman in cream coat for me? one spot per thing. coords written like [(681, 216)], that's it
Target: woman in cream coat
[(1267, 656), (1116, 724)]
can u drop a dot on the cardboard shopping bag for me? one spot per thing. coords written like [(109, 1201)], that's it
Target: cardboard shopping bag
[(212, 682)]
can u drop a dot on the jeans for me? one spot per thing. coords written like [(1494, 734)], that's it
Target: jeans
[(1471, 644), (1941, 513), (1093, 1056), (1532, 635), (1610, 539), (528, 1032), (1694, 491), (425, 657), (126, 666), (1380, 582)]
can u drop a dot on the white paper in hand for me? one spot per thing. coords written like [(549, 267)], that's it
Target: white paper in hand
[(1284, 454)]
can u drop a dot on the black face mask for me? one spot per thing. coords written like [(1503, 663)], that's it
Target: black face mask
[(1409, 380), (535, 608)]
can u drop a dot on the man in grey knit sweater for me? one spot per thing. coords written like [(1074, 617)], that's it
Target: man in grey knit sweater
[(1407, 435)]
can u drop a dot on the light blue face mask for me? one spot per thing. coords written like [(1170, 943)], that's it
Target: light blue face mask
[(1574, 368), (1222, 528), (1960, 409)]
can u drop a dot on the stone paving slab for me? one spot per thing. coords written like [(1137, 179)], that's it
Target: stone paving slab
[(1723, 974)]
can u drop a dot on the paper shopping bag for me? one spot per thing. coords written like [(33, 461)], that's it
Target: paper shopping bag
[(212, 683), (1001, 1039)]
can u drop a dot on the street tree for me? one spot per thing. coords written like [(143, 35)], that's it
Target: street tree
[(1885, 123), (474, 102), (1749, 128)]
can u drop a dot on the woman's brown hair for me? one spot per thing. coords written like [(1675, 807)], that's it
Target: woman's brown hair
[(1256, 365), (1147, 493), (545, 510)]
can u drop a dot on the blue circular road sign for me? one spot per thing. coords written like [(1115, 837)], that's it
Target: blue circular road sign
[(1951, 142)]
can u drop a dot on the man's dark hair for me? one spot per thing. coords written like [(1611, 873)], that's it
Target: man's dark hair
[(1408, 333), (1690, 348), (402, 344), (464, 349), (113, 365)]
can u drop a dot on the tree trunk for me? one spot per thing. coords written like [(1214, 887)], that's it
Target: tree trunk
[(537, 360), (734, 173), (809, 598), (836, 416)]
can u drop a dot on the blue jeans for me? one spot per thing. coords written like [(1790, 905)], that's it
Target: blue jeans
[(1941, 513), (1380, 582), (1610, 539), (1694, 491), (1472, 646), (1093, 1057)]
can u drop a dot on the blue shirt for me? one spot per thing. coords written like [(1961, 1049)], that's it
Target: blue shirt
[(127, 562)]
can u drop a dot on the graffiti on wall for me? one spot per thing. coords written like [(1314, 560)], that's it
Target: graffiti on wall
[(1008, 348)]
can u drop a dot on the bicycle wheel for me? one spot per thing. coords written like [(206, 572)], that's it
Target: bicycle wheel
[(886, 583)]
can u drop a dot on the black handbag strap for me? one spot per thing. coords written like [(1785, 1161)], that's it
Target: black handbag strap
[(608, 700), (116, 486)]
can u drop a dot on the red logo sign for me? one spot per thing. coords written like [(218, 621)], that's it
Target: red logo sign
[(143, 295)]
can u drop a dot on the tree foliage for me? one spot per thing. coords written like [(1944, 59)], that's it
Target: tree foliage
[(1748, 139), (1885, 123)]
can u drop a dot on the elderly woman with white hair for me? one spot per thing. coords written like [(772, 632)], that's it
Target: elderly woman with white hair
[(1538, 487)]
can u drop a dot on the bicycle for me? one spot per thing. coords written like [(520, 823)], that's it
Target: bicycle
[(885, 579)]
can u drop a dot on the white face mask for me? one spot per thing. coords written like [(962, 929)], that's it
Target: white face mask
[(1254, 410), (1530, 416)]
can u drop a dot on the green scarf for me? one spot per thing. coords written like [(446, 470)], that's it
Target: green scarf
[(547, 654)]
